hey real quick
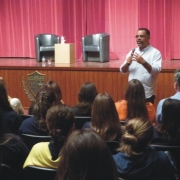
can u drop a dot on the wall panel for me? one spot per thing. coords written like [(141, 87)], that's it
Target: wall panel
[(70, 81)]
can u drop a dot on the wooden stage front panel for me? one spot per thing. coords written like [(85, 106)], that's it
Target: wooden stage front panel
[(70, 77)]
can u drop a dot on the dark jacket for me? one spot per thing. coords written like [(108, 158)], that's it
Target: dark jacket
[(29, 126), (150, 165)]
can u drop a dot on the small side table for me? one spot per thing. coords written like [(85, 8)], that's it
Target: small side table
[(64, 53)]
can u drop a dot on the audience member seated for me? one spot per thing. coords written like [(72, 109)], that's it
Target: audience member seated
[(175, 96), (86, 156), (104, 119), (134, 105), (12, 151), (56, 88), (52, 85), (60, 120), (16, 105), (36, 125), (11, 120), (15, 102), (168, 130), (136, 160), (86, 96)]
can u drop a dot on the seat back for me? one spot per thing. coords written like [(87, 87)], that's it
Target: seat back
[(174, 151), (31, 140), (6, 173), (37, 173), (96, 38), (163, 147), (80, 121), (113, 146), (47, 39), (123, 123), (24, 116)]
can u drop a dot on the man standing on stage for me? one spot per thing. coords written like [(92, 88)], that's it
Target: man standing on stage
[(143, 63)]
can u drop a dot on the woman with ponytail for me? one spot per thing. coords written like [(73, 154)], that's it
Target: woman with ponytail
[(36, 125), (136, 160)]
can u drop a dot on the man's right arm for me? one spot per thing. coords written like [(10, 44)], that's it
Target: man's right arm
[(125, 67)]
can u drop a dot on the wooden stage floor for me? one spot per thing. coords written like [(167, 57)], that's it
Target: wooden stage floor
[(112, 65), (70, 77)]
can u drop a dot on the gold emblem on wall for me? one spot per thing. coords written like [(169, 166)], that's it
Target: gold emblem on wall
[(33, 83)]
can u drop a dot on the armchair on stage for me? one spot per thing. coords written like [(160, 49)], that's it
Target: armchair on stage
[(44, 44), (95, 47)]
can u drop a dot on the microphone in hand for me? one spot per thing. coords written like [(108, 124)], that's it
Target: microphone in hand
[(132, 53)]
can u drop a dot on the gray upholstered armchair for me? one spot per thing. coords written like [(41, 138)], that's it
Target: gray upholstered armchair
[(44, 44), (95, 47)]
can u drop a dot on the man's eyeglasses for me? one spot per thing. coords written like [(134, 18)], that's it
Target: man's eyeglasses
[(141, 36)]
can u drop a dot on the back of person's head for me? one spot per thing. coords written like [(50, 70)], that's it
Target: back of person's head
[(56, 88), (4, 102), (135, 97), (138, 134), (104, 117), (177, 78), (45, 99), (171, 117), (16, 105), (59, 120), (86, 96), (87, 93), (85, 156)]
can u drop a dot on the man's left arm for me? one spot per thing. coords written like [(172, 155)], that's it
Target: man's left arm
[(147, 66), (156, 63), (155, 68)]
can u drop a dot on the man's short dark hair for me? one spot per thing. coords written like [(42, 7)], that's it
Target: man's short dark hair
[(145, 29)]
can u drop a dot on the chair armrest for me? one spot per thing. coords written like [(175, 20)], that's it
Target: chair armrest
[(37, 46), (105, 35), (104, 41)]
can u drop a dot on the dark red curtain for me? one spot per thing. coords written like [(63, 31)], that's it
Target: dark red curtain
[(21, 20)]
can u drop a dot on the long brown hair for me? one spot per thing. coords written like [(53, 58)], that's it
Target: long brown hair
[(4, 103), (86, 156), (56, 88), (86, 96), (104, 118), (135, 97), (170, 120)]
